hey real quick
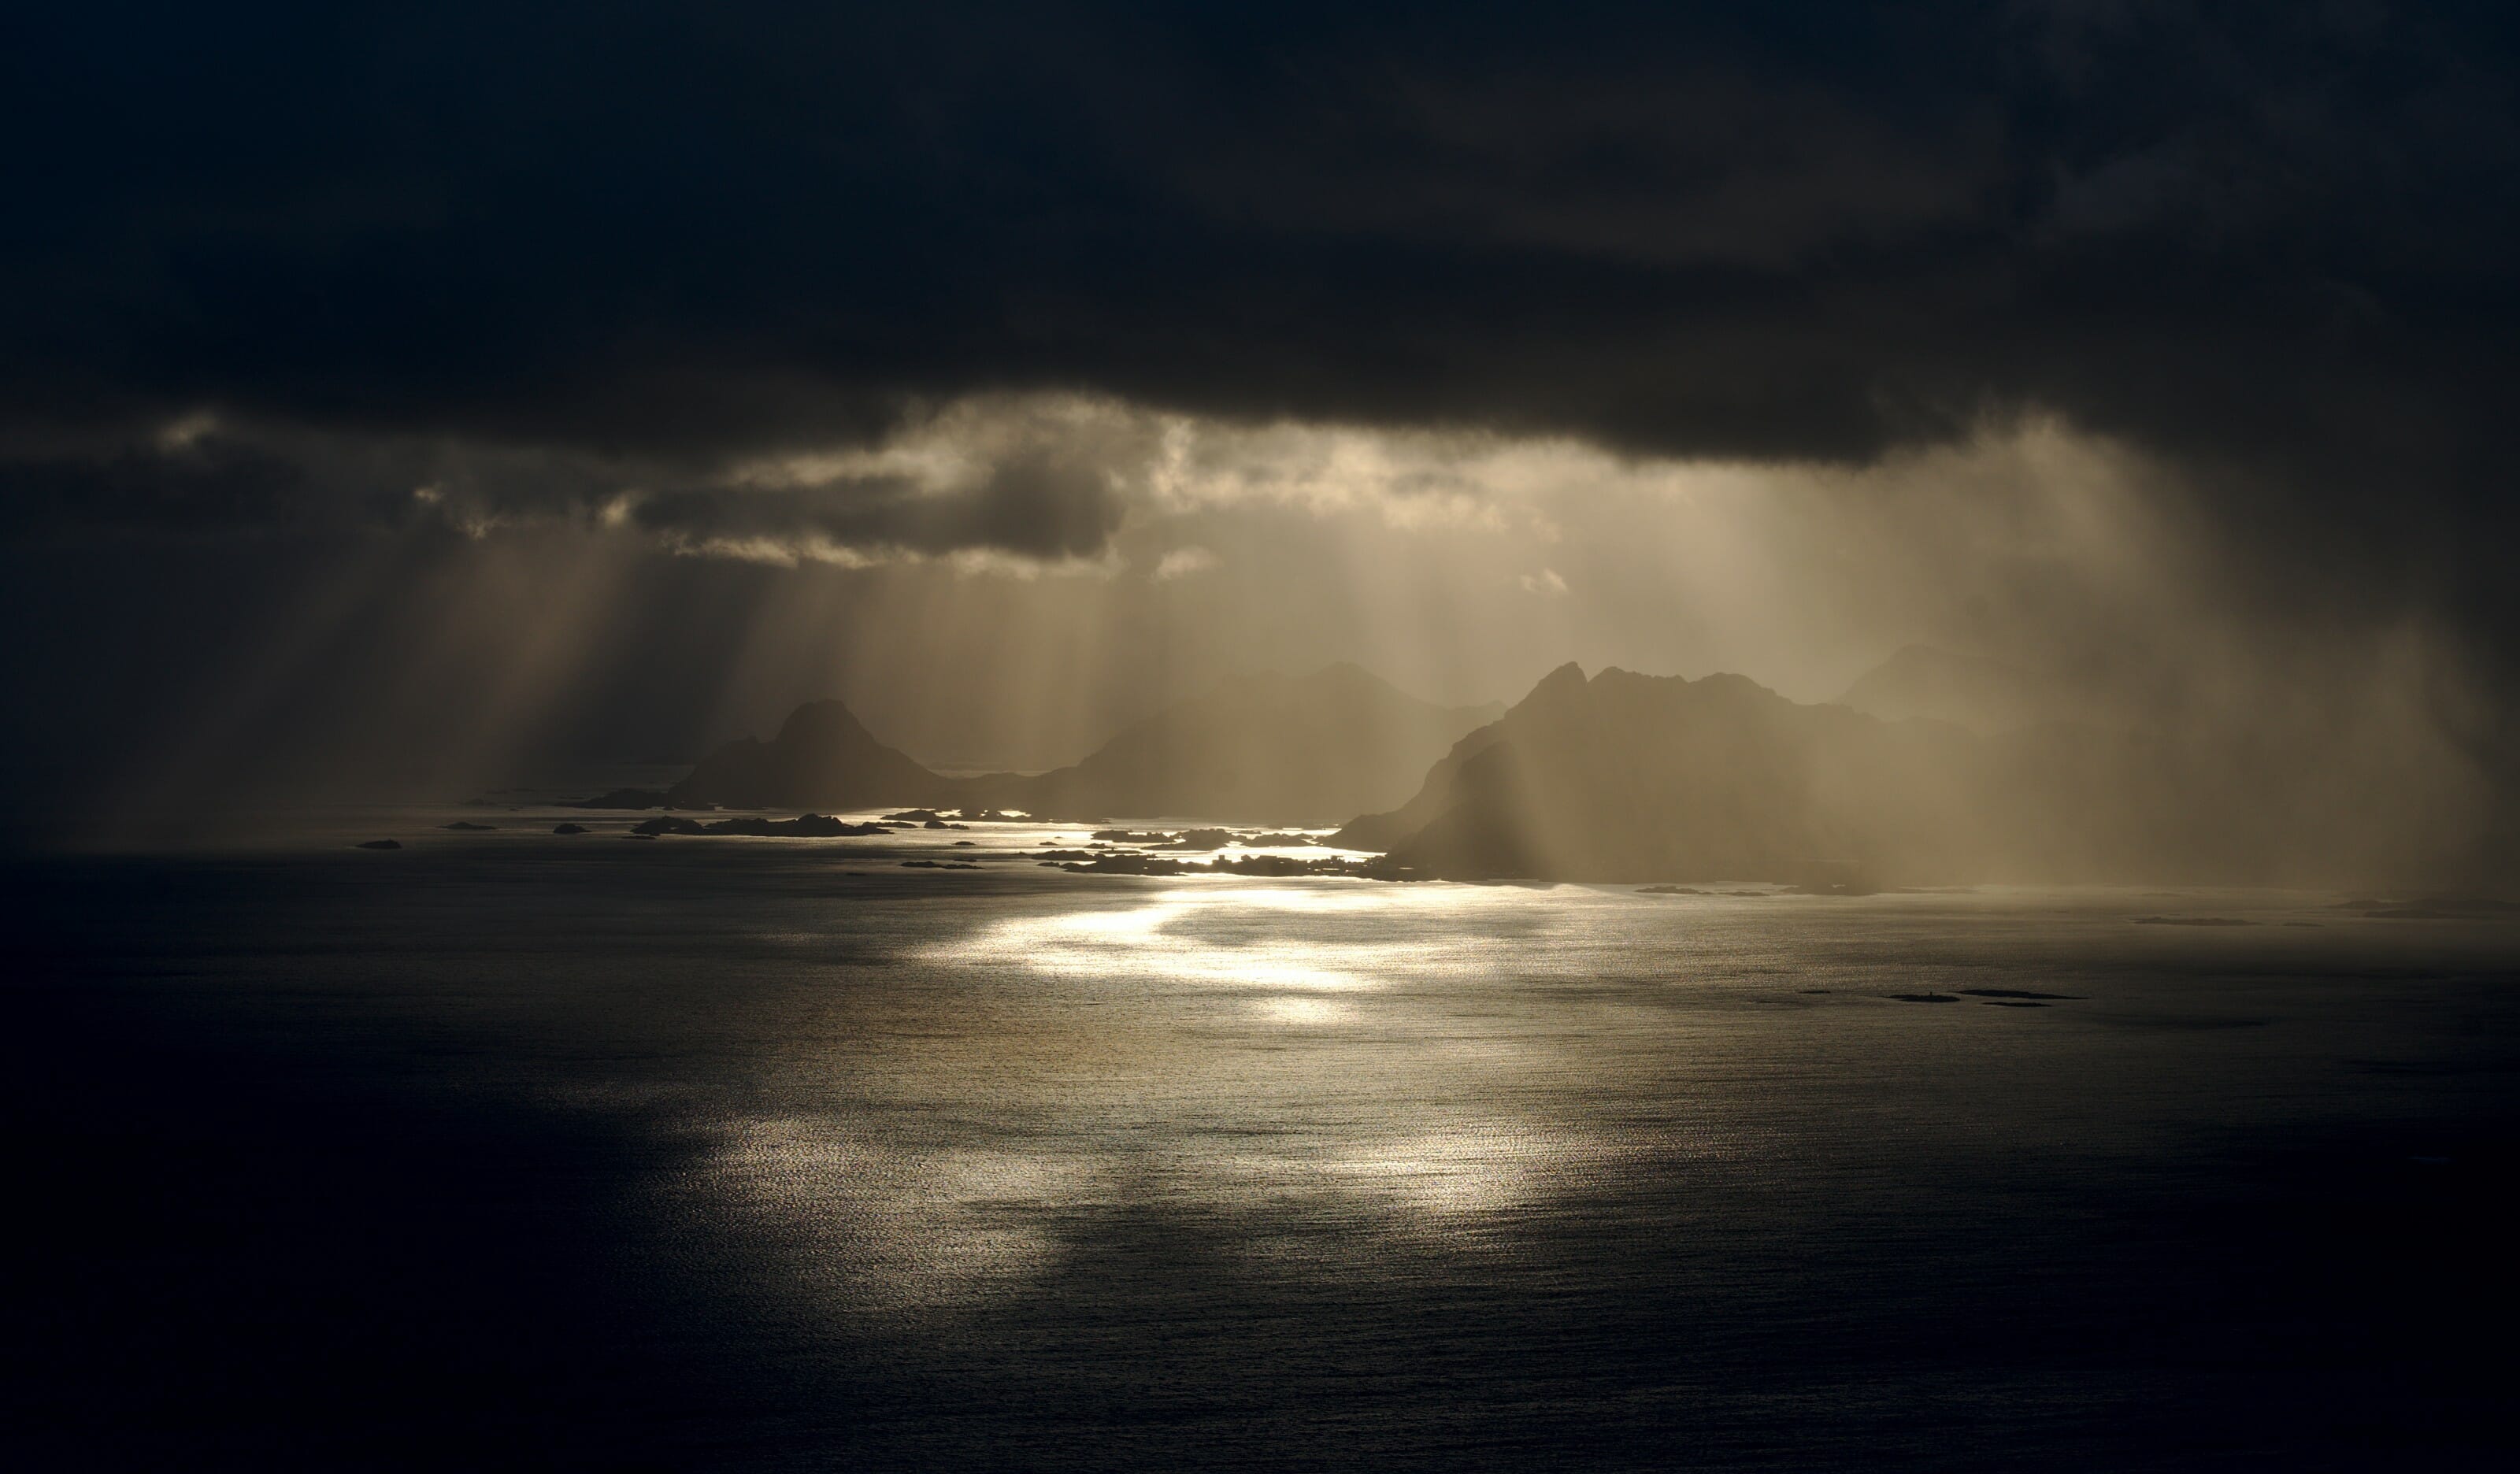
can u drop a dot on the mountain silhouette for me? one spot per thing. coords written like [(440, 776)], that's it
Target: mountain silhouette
[(1263, 749), (1620, 776), (822, 758), (1625, 777)]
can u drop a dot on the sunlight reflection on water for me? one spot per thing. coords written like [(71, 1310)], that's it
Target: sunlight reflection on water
[(1176, 937), (1320, 1076), (1015, 1168), (1253, 1057)]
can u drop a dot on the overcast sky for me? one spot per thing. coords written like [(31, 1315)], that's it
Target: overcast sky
[(447, 397)]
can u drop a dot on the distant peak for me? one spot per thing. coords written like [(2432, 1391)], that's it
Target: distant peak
[(823, 710), (1726, 679), (1345, 673), (821, 719), (1974, 691), (1559, 685)]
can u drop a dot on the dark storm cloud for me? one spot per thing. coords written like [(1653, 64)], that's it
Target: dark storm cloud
[(2270, 238), (211, 482), (206, 476)]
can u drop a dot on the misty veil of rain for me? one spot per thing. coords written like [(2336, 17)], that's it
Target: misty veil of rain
[(1105, 738)]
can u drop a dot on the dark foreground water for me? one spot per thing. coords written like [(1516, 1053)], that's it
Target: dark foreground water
[(510, 1150)]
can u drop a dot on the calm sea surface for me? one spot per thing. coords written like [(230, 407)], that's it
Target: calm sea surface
[(513, 1148)]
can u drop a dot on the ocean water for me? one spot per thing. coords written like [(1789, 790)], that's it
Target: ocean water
[(764, 1153)]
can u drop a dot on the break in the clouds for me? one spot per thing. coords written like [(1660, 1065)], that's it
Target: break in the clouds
[(2271, 238), (1042, 506), (2168, 344)]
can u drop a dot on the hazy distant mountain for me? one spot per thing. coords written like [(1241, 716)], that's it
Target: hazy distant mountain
[(1974, 691), (1261, 749), (822, 758), (1637, 777)]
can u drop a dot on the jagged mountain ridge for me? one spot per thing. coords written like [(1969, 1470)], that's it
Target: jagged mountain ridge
[(1266, 749)]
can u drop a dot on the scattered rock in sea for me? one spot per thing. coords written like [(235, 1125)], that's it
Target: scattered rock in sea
[(467, 826), (1926, 998), (670, 824), (1115, 863), (1201, 839), (960, 844), (803, 825), (569, 829), (2011, 1003), (1129, 865), (1130, 836), (1256, 841), (1276, 865), (380, 845)]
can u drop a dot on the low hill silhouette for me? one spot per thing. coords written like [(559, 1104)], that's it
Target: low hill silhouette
[(1265, 748), (1944, 686), (1989, 696)]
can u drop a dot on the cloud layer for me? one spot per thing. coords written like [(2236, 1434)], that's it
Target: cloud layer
[(2270, 237), (1133, 289)]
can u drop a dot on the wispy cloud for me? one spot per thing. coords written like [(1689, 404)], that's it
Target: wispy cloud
[(1183, 563)]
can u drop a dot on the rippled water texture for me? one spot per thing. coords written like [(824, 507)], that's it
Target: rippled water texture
[(715, 1153)]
